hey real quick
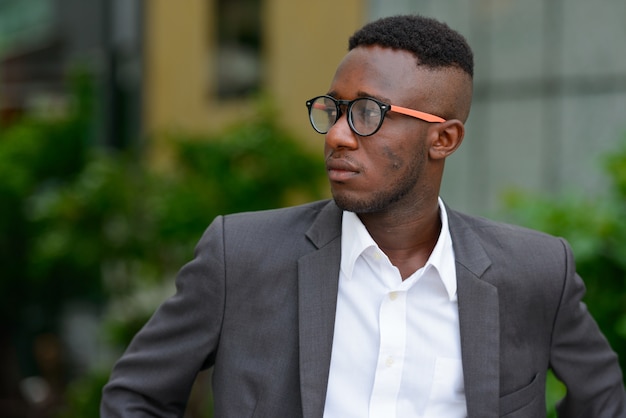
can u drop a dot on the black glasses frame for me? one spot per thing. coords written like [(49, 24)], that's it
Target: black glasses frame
[(384, 108)]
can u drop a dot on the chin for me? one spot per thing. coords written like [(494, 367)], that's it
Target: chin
[(374, 203), (357, 205)]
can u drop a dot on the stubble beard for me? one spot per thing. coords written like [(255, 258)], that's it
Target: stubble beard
[(383, 200), (378, 202)]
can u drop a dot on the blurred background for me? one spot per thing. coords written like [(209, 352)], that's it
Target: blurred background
[(127, 125)]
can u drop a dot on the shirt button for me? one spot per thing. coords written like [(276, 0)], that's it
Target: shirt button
[(393, 295), (389, 361)]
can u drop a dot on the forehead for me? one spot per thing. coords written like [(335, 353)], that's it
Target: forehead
[(384, 73)]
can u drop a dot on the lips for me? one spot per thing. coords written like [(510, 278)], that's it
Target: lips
[(340, 170)]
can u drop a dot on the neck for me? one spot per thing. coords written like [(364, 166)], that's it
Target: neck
[(407, 239)]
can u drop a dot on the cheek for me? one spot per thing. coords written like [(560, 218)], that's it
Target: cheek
[(402, 145), (393, 159)]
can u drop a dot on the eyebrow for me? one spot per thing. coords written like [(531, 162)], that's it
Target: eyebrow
[(362, 94)]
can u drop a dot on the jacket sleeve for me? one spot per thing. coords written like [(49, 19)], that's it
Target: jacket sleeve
[(582, 358), (155, 374)]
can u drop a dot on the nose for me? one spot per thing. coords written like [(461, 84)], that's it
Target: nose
[(340, 135)]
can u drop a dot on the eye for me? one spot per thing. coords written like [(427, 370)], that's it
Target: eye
[(366, 110)]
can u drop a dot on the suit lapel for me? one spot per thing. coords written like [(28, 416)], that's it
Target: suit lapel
[(318, 276), (479, 321)]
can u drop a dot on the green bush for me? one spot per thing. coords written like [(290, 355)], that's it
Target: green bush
[(34, 155), (84, 224)]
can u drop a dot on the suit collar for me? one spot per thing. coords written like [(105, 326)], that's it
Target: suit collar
[(469, 254), (327, 225)]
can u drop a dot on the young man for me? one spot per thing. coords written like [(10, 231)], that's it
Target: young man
[(382, 302)]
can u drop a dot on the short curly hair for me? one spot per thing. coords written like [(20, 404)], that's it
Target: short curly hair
[(433, 43)]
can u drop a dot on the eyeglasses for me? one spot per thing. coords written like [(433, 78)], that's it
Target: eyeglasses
[(365, 114)]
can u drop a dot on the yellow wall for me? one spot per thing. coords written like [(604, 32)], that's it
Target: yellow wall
[(306, 41), (303, 42)]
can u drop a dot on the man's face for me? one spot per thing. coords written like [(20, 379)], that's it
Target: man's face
[(390, 168)]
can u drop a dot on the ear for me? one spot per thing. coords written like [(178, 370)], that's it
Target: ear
[(445, 137)]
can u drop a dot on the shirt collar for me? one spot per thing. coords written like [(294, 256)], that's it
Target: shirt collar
[(355, 239)]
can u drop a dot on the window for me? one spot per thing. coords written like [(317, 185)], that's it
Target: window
[(238, 57)]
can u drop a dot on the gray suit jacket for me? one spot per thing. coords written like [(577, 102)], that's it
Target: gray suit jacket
[(258, 303)]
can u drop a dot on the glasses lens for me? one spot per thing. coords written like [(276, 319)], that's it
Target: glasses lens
[(323, 114), (366, 116)]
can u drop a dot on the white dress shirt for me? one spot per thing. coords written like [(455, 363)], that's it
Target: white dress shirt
[(396, 348)]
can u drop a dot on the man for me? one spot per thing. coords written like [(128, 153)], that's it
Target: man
[(382, 302)]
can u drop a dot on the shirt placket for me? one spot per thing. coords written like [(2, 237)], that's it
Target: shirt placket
[(391, 354)]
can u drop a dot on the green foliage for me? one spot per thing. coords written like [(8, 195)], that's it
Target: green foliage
[(80, 224), (596, 228), (248, 167), (83, 396), (555, 391), (34, 154)]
